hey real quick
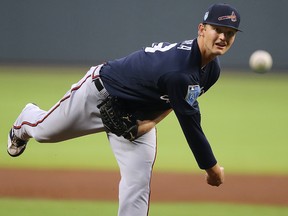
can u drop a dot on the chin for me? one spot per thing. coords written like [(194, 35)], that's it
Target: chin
[(220, 52)]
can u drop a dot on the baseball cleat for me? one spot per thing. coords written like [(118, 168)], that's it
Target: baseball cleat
[(16, 146)]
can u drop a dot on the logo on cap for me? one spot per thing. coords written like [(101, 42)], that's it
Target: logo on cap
[(206, 15), (232, 17)]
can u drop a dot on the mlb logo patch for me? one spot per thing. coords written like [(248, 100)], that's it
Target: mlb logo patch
[(193, 93)]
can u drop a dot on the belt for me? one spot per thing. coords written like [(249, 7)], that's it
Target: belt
[(97, 81), (98, 84)]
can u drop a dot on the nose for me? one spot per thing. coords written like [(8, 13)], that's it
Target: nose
[(222, 36)]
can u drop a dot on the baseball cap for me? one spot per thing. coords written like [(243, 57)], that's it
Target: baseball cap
[(222, 14)]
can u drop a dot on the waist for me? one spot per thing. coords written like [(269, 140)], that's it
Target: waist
[(98, 82)]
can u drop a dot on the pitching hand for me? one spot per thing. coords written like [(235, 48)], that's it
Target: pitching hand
[(215, 175)]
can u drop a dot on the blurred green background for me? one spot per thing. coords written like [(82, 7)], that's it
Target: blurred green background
[(244, 116)]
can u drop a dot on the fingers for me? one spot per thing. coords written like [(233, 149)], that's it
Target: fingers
[(216, 178)]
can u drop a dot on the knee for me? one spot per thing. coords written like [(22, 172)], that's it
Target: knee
[(40, 139), (43, 139)]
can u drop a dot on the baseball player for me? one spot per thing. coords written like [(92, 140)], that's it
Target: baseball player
[(127, 97)]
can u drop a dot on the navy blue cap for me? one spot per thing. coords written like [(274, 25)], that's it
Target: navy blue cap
[(222, 14)]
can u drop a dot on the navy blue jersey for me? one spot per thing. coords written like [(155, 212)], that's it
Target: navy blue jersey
[(164, 76)]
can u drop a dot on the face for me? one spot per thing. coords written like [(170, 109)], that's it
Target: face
[(217, 40)]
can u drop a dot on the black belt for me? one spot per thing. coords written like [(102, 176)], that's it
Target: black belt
[(98, 84)]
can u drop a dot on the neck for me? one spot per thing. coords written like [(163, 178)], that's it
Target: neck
[(206, 56)]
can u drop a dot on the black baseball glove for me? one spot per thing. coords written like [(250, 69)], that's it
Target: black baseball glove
[(117, 120)]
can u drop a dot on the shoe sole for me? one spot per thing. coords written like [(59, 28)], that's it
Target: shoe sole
[(10, 144)]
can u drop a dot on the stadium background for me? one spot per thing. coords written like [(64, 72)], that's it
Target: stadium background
[(92, 31)]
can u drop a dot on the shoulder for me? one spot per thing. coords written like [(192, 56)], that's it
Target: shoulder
[(216, 62), (215, 66)]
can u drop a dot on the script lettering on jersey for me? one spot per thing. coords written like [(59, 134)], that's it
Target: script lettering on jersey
[(165, 98), (185, 45), (162, 47), (193, 93)]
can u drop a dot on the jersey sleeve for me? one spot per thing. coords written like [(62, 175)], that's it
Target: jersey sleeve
[(183, 93), (197, 140)]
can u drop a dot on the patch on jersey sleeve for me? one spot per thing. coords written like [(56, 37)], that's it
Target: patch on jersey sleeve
[(193, 93)]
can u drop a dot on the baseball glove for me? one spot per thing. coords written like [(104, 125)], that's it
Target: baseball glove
[(117, 120)]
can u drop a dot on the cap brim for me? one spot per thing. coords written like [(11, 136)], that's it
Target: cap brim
[(217, 24)]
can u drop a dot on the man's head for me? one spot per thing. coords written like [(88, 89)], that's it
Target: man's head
[(218, 30)]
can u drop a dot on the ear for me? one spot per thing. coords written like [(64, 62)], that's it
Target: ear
[(201, 28)]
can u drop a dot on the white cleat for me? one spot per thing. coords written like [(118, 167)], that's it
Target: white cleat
[(16, 146)]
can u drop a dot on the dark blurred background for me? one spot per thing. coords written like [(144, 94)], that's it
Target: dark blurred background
[(88, 32)]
